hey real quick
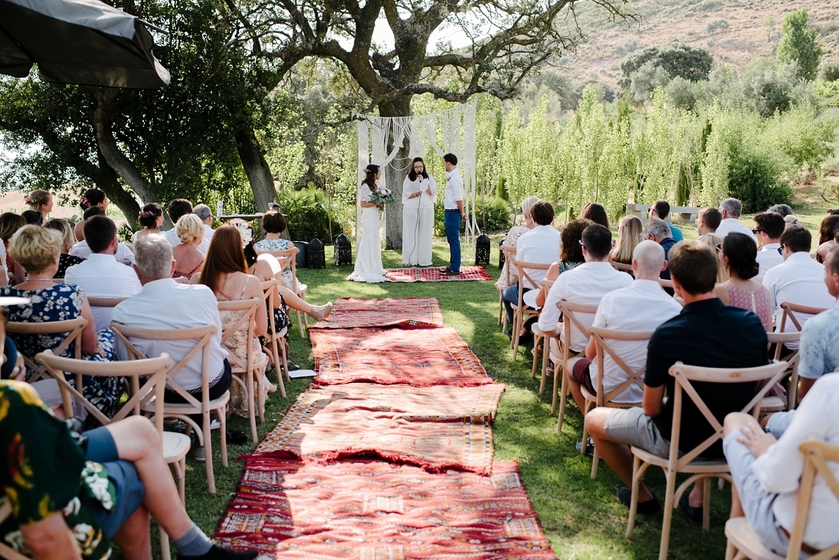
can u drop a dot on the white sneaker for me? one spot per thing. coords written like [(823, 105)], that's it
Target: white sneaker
[(215, 424), (198, 453)]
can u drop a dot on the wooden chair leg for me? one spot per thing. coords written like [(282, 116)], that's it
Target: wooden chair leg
[(669, 500), (595, 463), (538, 351), (165, 554), (633, 503), (706, 504)]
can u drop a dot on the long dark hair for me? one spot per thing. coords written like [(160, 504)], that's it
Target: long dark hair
[(741, 252), (370, 176), (224, 256), (92, 197), (413, 174)]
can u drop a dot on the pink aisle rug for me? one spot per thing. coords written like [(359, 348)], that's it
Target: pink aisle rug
[(417, 357), (405, 313), (369, 510), (433, 427), (435, 274)]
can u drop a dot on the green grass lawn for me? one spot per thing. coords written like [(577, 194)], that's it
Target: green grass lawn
[(580, 516)]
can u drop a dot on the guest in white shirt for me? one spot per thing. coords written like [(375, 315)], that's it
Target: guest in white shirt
[(179, 207), (206, 216), (731, 208), (767, 471), (641, 306), (585, 284), (800, 279), (101, 275), (539, 245), (707, 221), (768, 229), (82, 249)]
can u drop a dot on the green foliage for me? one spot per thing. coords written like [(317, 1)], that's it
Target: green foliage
[(812, 141), (307, 214), (493, 215), (830, 72), (676, 59), (827, 93), (717, 25), (798, 43)]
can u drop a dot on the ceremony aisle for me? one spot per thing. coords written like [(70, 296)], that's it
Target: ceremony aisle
[(427, 424)]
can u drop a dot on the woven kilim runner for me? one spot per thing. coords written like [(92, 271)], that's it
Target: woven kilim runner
[(405, 313), (369, 510), (435, 274), (432, 427), (417, 357)]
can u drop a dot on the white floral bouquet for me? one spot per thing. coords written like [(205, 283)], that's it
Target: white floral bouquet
[(381, 196)]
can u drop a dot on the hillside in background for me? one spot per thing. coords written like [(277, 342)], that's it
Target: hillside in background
[(734, 31)]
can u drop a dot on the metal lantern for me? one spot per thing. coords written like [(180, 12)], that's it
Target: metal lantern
[(343, 250), (501, 257), (482, 247), (316, 257)]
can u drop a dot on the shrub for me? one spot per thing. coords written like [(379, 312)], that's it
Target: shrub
[(717, 25), (307, 215), (493, 215), (830, 72)]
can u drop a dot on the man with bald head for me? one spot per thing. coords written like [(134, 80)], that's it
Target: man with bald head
[(641, 306)]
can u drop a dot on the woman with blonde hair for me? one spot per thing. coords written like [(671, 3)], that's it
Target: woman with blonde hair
[(512, 238), (714, 241), (630, 234), (188, 259), (40, 201)]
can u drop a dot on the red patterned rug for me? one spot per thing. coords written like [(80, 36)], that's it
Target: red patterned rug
[(432, 427), (405, 313), (369, 510), (434, 274), (418, 357)]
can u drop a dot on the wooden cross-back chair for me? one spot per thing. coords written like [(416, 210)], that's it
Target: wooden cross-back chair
[(71, 328), (790, 310), (743, 542), (509, 255), (203, 337), (287, 260), (633, 376), (244, 367), (766, 376), (623, 267), (777, 401), (565, 359), (147, 379), (521, 311), (274, 341)]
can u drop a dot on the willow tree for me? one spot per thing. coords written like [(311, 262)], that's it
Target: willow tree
[(507, 40)]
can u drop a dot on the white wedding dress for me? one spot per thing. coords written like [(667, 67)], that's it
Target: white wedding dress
[(368, 258)]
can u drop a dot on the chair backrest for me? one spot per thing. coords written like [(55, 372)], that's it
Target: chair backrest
[(72, 329), (524, 269), (245, 323), (622, 267), (766, 376), (203, 337), (288, 260), (790, 311), (779, 339), (105, 301), (665, 283), (571, 320), (600, 337), (152, 372), (817, 455)]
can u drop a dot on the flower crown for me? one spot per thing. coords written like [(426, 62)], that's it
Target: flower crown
[(84, 201), (29, 201), (146, 214)]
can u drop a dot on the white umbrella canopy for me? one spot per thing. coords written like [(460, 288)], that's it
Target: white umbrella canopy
[(78, 42)]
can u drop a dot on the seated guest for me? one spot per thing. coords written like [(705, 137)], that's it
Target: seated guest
[(707, 221), (641, 306), (33, 217), (101, 275), (783, 209), (179, 207), (188, 259), (630, 232), (714, 241), (166, 304), (799, 279), (539, 245), (40, 201), (71, 500), (742, 290), (37, 249), (730, 208), (768, 229), (661, 209), (820, 336), (706, 333), (206, 216), (151, 218), (66, 260), (274, 224), (596, 213), (510, 240), (828, 231), (570, 256), (659, 231), (586, 284), (9, 224), (92, 198), (82, 249), (767, 472)]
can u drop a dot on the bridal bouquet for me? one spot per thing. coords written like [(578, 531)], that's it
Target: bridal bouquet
[(381, 196)]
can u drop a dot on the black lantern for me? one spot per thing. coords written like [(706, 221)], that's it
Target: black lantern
[(316, 258), (501, 257), (482, 247), (343, 250)]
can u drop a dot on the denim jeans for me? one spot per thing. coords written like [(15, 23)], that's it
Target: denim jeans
[(453, 237)]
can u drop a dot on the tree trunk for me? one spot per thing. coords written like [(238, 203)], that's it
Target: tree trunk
[(256, 168), (395, 174)]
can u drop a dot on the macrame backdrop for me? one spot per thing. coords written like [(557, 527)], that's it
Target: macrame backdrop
[(458, 132)]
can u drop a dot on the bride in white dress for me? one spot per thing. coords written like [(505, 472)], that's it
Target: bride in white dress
[(368, 259)]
